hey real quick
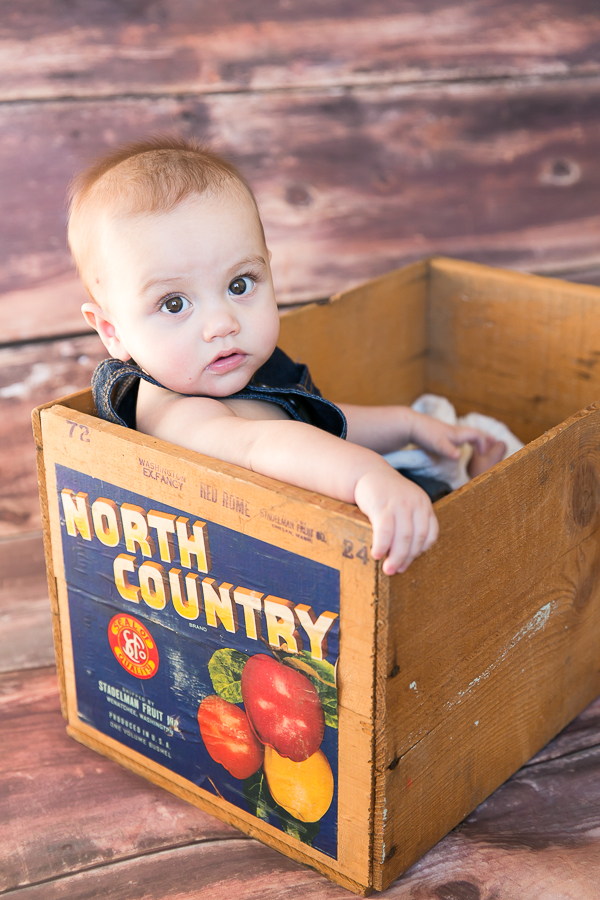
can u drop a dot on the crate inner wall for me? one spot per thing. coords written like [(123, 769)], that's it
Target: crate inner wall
[(521, 348)]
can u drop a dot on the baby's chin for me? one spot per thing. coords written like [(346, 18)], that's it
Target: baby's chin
[(215, 386)]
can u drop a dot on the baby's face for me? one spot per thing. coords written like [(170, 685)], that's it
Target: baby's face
[(189, 293)]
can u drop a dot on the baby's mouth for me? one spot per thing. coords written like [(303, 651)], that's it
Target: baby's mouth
[(226, 361)]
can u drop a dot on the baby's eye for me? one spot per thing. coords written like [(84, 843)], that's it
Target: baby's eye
[(175, 304), (241, 285)]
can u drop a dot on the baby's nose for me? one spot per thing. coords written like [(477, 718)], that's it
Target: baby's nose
[(220, 322)]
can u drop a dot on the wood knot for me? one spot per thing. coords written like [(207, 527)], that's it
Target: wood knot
[(584, 590), (458, 890), (583, 575), (298, 195), (560, 172), (585, 493)]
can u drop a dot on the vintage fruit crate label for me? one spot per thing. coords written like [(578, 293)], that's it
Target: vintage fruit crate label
[(207, 651)]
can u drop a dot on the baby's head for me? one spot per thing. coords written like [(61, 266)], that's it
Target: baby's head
[(169, 244)]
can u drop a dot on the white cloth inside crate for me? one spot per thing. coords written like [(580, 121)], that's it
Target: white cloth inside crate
[(452, 471)]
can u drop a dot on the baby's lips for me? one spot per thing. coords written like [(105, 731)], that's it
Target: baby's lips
[(225, 363)]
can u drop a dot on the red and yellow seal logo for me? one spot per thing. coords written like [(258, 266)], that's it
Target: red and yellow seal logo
[(133, 646)]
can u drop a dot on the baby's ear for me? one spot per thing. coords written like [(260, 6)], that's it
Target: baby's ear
[(95, 316)]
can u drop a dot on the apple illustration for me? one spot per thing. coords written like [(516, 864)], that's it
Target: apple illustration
[(228, 737), (283, 707)]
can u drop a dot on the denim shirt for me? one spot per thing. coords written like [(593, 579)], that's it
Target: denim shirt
[(288, 384)]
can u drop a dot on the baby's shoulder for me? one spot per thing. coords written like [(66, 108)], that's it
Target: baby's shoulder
[(158, 407), (206, 424)]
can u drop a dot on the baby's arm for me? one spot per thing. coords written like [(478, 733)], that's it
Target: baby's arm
[(401, 514), (388, 428)]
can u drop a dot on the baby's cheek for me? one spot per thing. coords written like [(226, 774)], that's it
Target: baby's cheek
[(267, 336)]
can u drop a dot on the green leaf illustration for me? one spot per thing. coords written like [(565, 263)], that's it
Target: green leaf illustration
[(261, 804), (258, 796), (322, 675), (225, 670), (302, 831)]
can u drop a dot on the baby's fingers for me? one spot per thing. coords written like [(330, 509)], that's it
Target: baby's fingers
[(392, 536), (408, 544), (383, 535), (479, 439), (425, 534)]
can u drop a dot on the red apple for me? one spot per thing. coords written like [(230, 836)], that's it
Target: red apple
[(283, 707), (228, 737)]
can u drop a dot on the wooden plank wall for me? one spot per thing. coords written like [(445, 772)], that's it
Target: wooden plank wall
[(373, 133)]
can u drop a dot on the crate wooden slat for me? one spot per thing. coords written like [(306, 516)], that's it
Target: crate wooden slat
[(26, 626), (537, 832), (32, 374), (69, 809), (350, 184), (241, 45), (522, 349)]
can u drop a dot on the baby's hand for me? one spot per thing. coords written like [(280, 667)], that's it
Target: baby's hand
[(446, 440), (404, 524)]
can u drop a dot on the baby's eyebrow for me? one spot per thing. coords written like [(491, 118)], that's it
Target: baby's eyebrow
[(176, 279), (251, 261), (152, 282)]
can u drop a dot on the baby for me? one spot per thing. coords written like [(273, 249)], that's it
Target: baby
[(169, 243)]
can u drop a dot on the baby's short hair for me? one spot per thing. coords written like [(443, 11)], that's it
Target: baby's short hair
[(147, 176)]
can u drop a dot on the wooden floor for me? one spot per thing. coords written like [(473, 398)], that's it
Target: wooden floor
[(79, 826)]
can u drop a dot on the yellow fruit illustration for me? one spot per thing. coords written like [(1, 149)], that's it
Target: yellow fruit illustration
[(304, 789)]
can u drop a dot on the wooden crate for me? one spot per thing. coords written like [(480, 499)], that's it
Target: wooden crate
[(450, 676)]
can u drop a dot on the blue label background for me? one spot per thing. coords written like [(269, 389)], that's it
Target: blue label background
[(182, 680)]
